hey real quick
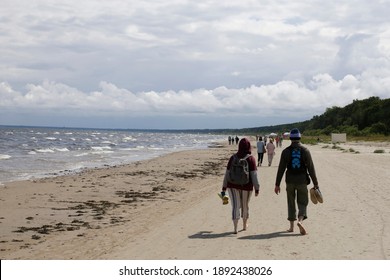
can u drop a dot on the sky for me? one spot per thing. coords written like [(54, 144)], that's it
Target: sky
[(186, 64)]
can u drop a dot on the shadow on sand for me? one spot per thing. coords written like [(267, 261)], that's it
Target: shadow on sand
[(211, 235), (269, 235)]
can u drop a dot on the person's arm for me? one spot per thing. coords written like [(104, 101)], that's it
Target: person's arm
[(282, 167), (255, 182), (253, 174), (225, 178), (310, 168), (224, 183)]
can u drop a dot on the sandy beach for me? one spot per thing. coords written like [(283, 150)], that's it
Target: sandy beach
[(168, 208)]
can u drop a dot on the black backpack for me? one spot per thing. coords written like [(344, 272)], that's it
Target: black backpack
[(296, 164), (239, 171)]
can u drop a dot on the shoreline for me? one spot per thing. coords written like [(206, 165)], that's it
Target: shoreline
[(46, 152), (75, 171), (167, 208)]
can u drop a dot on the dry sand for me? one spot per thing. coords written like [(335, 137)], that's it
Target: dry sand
[(168, 208)]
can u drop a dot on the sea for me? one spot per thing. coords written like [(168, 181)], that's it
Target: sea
[(37, 152)]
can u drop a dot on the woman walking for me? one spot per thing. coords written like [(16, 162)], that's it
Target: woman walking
[(270, 151), (240, 194)]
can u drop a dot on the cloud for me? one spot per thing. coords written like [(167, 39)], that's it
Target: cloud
[(191, 58), (287, 96)]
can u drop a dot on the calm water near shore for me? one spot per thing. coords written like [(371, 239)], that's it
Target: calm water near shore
[(33, 152)]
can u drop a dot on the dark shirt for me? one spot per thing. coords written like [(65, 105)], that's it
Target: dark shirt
[(294, 177)]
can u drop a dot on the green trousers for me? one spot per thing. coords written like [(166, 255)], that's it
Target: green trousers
[(297, 194)]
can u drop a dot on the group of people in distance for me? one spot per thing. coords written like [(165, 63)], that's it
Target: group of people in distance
[(265, 148), (295, 162), (231, 140)]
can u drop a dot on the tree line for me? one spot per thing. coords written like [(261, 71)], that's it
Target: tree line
[(360, 118)]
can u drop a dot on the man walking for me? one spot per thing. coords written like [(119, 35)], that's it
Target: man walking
[(298, 162)]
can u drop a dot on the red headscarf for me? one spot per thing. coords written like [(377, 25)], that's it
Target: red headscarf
[(244, 148)]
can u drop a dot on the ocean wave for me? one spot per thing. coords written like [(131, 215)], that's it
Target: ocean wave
[(129, 138), (44, 151), (155, 148), (62, 149), (109, 143), (4, 157), (82, 155), (98, 148), (130, 149), (100, 152)]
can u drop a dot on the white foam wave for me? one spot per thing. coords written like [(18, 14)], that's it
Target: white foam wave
[(62, 149), (101, 148), (51, 138), (45, 151), (82, 155), (102, 152), (4, 157), (155, 149), (129, 138), (108, 143), (130, 149)]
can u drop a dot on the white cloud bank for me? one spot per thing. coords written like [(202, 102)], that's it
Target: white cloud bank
[(285, 98), (188, 64)]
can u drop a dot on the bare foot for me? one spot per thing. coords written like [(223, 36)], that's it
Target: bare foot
[(235, 224), (301, 229), (290, 230)]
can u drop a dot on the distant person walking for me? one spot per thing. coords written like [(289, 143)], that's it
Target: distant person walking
[(260, 151), (270, 151), (298, 162), (240, 194)]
